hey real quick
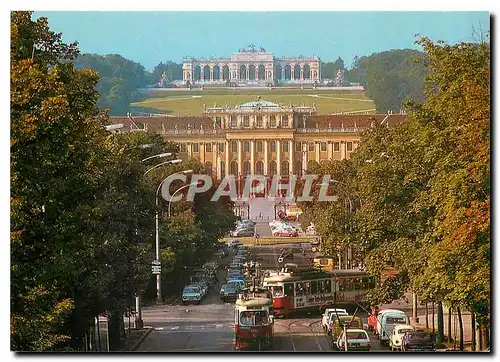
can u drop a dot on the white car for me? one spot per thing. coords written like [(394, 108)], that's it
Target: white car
[(396, 337), (332, 317), (325, 319), (357, 340)]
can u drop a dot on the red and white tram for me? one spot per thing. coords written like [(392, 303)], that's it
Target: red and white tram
[(253, 322), (313, 290)]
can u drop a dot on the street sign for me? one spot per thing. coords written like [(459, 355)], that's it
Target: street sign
[(156, 262), (156, 269)]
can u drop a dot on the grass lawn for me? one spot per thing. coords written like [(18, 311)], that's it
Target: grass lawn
[(190, 103)]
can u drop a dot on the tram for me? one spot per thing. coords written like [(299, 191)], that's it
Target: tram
[(253, 320), (311, 290)]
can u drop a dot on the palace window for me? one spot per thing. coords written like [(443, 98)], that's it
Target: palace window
[(284, 121), (234, 146), (273, 146), (246, 168), (259, 146), (208, 147), (298, 146), (183, 147), (323, 146), (246, 146), (349, 146), (272, 121), (311, 146), (233, 122), (284, 146), (336, 146), (258, 121), (246, 121), (221, 147), (196, 147), (218, 121)]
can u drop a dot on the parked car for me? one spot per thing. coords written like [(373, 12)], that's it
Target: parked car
[(418, 341), (288, 232), (192, 294), (396, 337), (243, 232), (357, 340), (230, 293), (240, 283), (245, 223), (325, 319), (204, 287), (233, 243)]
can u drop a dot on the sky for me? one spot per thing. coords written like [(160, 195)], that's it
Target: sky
[(153, 37)]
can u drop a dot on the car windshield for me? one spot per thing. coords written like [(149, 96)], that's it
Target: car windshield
[(396, 320), (420, 337), (191, 290), (253, 318), (356, 335), (403, 331)]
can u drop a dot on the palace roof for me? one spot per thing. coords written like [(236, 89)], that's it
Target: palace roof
[(316, 123), (259, 104)]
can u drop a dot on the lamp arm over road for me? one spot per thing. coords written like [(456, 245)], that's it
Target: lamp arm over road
[(172, 162), (161, 155), (176, 191)]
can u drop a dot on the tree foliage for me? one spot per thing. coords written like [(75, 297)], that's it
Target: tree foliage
[(390, 77), (82, 211), (119, 81), (424, 185)]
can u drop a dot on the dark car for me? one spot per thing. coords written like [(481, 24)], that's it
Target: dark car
[(230, 293), (418, 341)]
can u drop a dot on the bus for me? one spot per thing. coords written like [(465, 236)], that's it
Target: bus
[(314, 290)]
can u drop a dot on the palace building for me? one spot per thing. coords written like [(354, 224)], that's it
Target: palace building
[(260, 137), (251, 66)]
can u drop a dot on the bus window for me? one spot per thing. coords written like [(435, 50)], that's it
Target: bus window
[(349, 284), (365, 283), (289, 289), (327, 286), (277, 291), (308, 288), (314, 287), (253, 318), (356, 283), (300, 289), (323, 261), (342, 284)]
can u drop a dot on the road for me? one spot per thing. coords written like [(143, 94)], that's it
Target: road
[(208, 327)]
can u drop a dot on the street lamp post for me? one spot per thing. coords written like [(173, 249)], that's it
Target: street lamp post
[(157, 236), (138, 317)]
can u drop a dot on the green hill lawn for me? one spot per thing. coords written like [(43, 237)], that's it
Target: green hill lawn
[(190, 103)]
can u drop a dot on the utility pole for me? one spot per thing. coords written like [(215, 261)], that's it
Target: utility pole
[(139, 323), (414, 318)]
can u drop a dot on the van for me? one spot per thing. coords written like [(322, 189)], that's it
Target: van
[(387, 320)]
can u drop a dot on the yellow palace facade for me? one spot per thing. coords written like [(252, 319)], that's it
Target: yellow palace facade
[(260, 137)]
